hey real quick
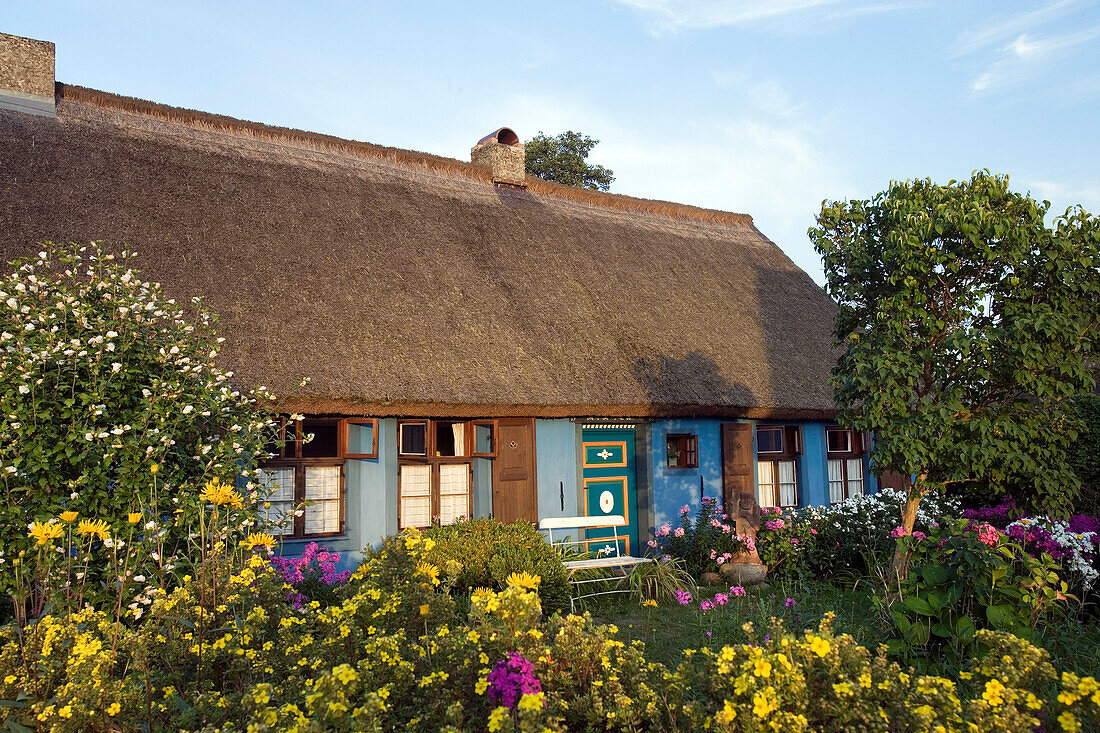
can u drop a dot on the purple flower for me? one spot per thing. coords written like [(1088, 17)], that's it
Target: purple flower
[(706, 605), (685, 509), (789, 603), (511, 678), (721, 599), (774, 524), (683, 597), (737, 590), (708, 634)]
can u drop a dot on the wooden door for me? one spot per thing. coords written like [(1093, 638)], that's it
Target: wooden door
[(609, 479), (514, 487), (737, 473)]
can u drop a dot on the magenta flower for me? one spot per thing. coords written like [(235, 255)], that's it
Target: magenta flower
[(794, 541), (511, 678), (898, 531), (774, 524), (789, 603), (737, 590), (706, 605), (721, 599), (813, 531), (683, 597), (685, 509), (679, 532), (652, 543)]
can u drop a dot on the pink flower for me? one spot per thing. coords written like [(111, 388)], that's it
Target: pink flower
[(679, 532), (774, 524), (737, 590), (685, 509), (750, 543), (726, 528), (920, 536), (898, 531), (664, 531), (794, 541), (721, 599), (683, 597), (789, 603), (988, 534), (715, 523), (725, 517), (813, 531), (706, 605), (652, 543)]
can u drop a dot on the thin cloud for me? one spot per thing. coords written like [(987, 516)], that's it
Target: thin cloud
[(998, 32), (1026, 58), (663, 17)]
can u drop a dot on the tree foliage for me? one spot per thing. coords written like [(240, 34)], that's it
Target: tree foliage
[(111, 403), (563, 159), (967, 322)]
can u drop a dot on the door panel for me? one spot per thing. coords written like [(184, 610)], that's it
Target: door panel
[(737, 475), (514, 487), (610, 482)]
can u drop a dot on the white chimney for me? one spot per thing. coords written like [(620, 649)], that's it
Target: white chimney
[(503, 155), (26, 75)]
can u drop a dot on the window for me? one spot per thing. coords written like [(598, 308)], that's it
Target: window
[(683, 450), (778, 448), (308, 469), (435, 465), (845, 463), (359, 437)]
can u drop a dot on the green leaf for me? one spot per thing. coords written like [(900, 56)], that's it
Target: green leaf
[(918, 605)]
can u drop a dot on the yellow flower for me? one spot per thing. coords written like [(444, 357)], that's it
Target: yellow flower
[(221, 494), (523, 580), (424, 609), (762, 668), (925, 710), (154, 468), (819, 646), (649, 602), (842, 688), (762, 705), (431, 571), (258, 539), (532, 702), (97, 527), (69, 516), (44, 532), (113, 709), (66, 712), (994, 693), (133, 517), (496, 718), (726, 714), (1069, 722)]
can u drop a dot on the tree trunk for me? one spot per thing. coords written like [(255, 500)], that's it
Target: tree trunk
[(899, 568)]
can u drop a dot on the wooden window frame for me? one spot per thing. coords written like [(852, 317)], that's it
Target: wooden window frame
[(777, 495), (428, 436), (856, 443), (298, 525), (344, 435), (472, 447), (791, 449), (687, 454)]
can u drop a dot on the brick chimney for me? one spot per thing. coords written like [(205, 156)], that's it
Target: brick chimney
[(26, 75), (503, 155)]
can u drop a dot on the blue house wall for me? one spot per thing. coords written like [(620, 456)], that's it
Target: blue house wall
[(557, 471)]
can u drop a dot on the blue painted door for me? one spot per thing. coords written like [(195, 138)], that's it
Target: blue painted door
[(610, 482)]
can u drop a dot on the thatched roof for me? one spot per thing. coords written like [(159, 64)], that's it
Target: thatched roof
[(405, 283)]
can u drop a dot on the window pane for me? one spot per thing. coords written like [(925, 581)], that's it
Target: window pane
[(323, 444), (855, 477), (836, 480), (769, 440), (675, 451), (416, 496), (323, 489), (839, 441), (360, 437), (454, 491), (483, 438), (788, 484), (450, 438), (766, 469), (414, 439), (280, 502)]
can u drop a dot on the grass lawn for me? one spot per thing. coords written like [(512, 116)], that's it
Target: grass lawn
[(669, 629)]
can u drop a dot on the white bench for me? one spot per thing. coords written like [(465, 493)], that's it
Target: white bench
[(607, 556)]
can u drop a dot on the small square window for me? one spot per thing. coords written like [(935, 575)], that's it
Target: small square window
[(683, 450), (413, 439), (324, 443), (769, 440), (840, 441), (360, 437), (485, 439)]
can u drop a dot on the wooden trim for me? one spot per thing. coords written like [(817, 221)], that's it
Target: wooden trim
[(300, 465), (427, 438), (855, 443), (344, 434), (792, 442), (691, 450), (326, 405), (777, 497)]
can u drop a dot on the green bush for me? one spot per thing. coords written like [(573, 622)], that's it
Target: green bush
[(489, 551), (963, 578), (1084, 454)]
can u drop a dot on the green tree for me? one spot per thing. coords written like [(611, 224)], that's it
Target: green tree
[(111, 404), (563, 159), (967, 324)]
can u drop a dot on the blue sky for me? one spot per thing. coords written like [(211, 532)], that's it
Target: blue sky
[(758, 106)]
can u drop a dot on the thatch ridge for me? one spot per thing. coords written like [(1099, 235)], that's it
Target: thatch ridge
[(400, 156)]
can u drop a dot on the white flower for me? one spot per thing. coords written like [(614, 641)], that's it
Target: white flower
[(24, 389), (115, 366), (139, 578)]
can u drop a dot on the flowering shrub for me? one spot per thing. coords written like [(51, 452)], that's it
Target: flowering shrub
[(488, 551), (855, 534), (112, 407), (392, 655), (704, 544), (312, 576), (964, 577), (784, 541)]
